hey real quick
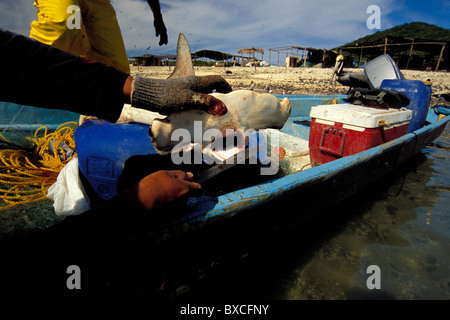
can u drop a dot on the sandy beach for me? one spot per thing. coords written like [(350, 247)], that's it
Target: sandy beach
[(281, 80)]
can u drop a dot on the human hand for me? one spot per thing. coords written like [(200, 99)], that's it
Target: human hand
[(163, 187), (160, 30), (178, 94)]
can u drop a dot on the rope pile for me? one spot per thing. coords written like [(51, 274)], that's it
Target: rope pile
[(25, 176)]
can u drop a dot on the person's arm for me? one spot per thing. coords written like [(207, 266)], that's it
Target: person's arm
[(132, 208), (154, 191), (178, 94), (87, 237), (43, 76), (158, 22)]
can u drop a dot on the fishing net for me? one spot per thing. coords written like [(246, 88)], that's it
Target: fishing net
[(26, 175)]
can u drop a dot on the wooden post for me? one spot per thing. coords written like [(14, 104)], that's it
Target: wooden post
[(360, 57), (306, 58), (440, 57), (323, 59), (385, 44), (410, 54)]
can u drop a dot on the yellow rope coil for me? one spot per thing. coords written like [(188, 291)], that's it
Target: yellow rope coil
[(26, 176)]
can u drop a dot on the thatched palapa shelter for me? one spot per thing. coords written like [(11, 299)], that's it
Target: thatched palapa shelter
[(252, 52)]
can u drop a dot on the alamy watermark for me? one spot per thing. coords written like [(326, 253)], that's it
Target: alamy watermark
[(74, 280), (74, 20), (374, 280), (374, 20), (230, 142)]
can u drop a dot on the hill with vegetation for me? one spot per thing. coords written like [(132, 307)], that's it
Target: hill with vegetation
[(418, 30)]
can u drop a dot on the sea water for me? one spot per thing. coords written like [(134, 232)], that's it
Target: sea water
[(400, 224), (402, 227)]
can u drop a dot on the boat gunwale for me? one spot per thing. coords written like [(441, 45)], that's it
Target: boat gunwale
[(232, 203), (208, 210)]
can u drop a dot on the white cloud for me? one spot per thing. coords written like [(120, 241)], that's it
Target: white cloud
[(233, 24), (17, 15)]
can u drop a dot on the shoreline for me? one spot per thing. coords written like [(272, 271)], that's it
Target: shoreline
[(295, 81)]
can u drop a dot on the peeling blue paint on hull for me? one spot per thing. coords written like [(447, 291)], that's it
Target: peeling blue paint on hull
[(337, 180), (305, 189)]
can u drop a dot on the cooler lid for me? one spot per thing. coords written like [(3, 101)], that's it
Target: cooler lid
[(359, 115)]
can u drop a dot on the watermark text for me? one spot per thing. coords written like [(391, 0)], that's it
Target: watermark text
[(74, 21), (374, 20)]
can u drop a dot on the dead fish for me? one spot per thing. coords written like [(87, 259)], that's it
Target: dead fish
[(246, 110)]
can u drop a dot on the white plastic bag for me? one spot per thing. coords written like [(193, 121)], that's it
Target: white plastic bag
[(69, 197)]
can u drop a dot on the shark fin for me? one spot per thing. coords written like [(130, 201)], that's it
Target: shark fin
[(183, 64)]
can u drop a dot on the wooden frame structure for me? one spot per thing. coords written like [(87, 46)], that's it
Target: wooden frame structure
[(305, 54), (430, 53)]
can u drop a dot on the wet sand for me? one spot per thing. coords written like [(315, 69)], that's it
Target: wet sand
[(281, 80)]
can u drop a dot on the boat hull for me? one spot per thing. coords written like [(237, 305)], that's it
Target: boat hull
[(176, 245), (337, 180)]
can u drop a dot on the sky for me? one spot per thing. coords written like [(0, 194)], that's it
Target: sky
[(229, 25)]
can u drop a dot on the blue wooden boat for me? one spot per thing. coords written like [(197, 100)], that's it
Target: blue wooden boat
[(244, 210), (311, 190), (338, 179), (26, 119)]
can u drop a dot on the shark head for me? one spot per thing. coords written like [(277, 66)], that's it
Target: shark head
[(246, 110)]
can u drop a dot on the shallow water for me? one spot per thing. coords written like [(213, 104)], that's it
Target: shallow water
[(400, 224)]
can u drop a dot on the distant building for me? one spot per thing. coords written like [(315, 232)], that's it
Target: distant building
[(149, 60), (222, 59), (305, 57), (408, 53)]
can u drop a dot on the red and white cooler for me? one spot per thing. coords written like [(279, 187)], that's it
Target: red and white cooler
[(340, 130)]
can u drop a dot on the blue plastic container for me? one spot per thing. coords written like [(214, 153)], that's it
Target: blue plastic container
[(419, 95), (113, 157), (104, 149)]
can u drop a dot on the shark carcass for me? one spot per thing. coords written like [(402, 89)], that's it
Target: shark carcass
[(247, 110)]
